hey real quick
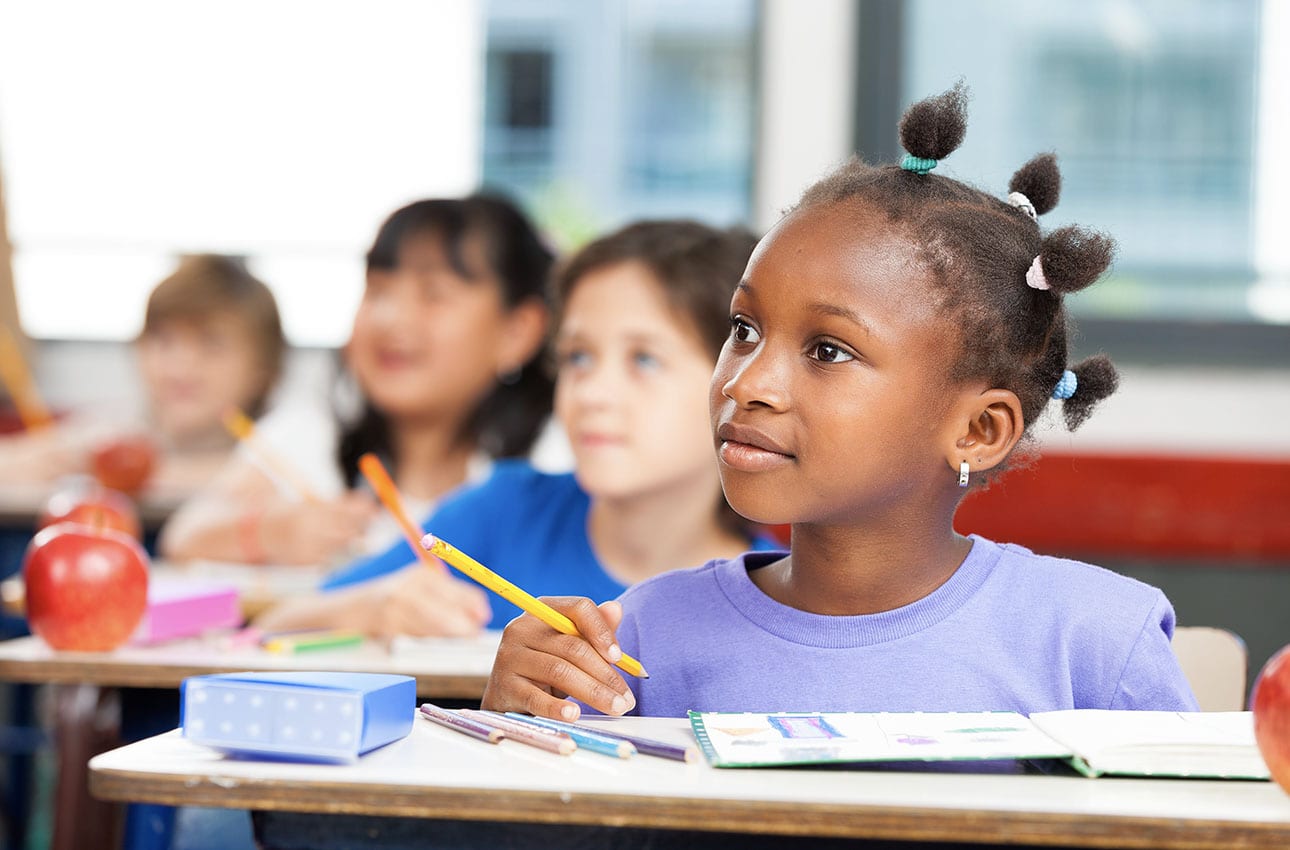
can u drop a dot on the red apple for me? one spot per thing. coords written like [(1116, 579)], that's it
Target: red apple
[(86, 587), (1272, 716), (124, 463), (87, 502)]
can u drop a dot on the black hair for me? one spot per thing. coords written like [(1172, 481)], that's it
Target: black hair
[(509, 419), (696, 266), (978, 249)]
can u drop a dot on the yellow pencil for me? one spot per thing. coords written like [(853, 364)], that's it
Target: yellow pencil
[(16, 376), (503, 588), (240, 426)]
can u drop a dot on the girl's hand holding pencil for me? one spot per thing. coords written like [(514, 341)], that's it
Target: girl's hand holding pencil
[(537, 666)]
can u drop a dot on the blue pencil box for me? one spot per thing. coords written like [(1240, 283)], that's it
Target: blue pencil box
[(298, 716)]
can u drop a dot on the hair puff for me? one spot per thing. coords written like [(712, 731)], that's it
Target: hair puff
[(1073, 257), (1096, 378), (934, 127), (1040, 181)]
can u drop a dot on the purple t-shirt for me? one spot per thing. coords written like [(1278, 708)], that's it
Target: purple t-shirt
[(1010, 630)]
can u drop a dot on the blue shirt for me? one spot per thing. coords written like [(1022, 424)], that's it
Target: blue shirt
[(526, 525)]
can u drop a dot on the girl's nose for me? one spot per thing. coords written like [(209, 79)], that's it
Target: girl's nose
[(756, 379), (596, 384)]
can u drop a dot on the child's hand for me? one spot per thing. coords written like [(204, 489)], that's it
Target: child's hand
[(314, 532), (423, 602), (536, 666)]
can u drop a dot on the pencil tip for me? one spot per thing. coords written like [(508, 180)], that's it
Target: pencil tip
[(644, 673)]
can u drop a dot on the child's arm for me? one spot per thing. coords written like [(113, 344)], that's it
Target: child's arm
[(241, 517), (537, 667), (416, 601)]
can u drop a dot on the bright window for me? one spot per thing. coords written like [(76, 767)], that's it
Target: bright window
[(284, 132)]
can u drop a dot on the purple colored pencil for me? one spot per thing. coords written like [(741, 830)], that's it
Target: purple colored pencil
[(464, 725), (648, 746)]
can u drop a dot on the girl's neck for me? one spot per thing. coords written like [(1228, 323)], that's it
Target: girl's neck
[(845, 571), (641, 536), (431, 457)]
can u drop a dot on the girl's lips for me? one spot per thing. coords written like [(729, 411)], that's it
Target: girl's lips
[(394, 360), (750, 458), (597, 441), (732, 432)]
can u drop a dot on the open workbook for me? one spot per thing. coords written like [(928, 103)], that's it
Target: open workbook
[(1095, 742)]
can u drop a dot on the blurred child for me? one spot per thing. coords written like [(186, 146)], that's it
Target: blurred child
[(441, 354), (893, 340), (211, 339), (642, 314)]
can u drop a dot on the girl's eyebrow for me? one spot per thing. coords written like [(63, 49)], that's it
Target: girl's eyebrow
[(825, 308), (830, 309)]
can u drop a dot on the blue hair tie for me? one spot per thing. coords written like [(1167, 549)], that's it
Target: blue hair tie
[(1066, 386), (917, 164)]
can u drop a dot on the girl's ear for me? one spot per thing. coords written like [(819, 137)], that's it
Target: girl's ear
[(986, 427), (525, 331)]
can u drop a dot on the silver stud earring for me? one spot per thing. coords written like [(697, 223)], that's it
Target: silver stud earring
[(963, 473)]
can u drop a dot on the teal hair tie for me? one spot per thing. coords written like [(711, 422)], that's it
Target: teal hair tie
[(917, 164), (1066, 386)]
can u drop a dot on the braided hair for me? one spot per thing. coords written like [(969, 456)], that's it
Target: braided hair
[(997, 275)]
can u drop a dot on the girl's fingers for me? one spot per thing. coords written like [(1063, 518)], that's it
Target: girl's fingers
[(592, 622), (533, 652), (526, 685)]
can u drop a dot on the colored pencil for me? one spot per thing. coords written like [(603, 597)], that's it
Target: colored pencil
[(534, 736), (16, 376), (374, 471), (314, 641), (527, 602), (646, 746), (241, 427), (586, 739), (464, 725)]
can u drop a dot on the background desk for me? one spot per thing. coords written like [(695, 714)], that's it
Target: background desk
[(436, 773), (455, 668)]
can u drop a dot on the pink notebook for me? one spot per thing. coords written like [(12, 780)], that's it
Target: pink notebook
[(183, 608)]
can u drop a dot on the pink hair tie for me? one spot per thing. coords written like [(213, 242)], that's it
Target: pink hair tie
[(1035, 276)]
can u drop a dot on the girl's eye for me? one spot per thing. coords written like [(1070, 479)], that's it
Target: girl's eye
[(644, 360), (741, 331), (573, 358), (827, 352)]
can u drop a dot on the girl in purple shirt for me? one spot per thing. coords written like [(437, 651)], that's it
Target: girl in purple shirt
[(893, 340)]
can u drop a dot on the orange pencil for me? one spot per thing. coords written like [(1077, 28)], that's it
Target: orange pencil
[(16, 375), (374, 471), (240, 426)]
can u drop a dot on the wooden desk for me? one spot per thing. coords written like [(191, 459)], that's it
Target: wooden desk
[(445, 668), (435, 773)]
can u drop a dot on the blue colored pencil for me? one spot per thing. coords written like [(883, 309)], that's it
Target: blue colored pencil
[(646, 746), (585, 738)]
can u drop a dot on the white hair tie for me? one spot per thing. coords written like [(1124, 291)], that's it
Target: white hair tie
[(1035, 276), (1022, 203)]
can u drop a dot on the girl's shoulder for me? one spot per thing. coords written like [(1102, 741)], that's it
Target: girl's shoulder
[(1064, 579), (517, 489)]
